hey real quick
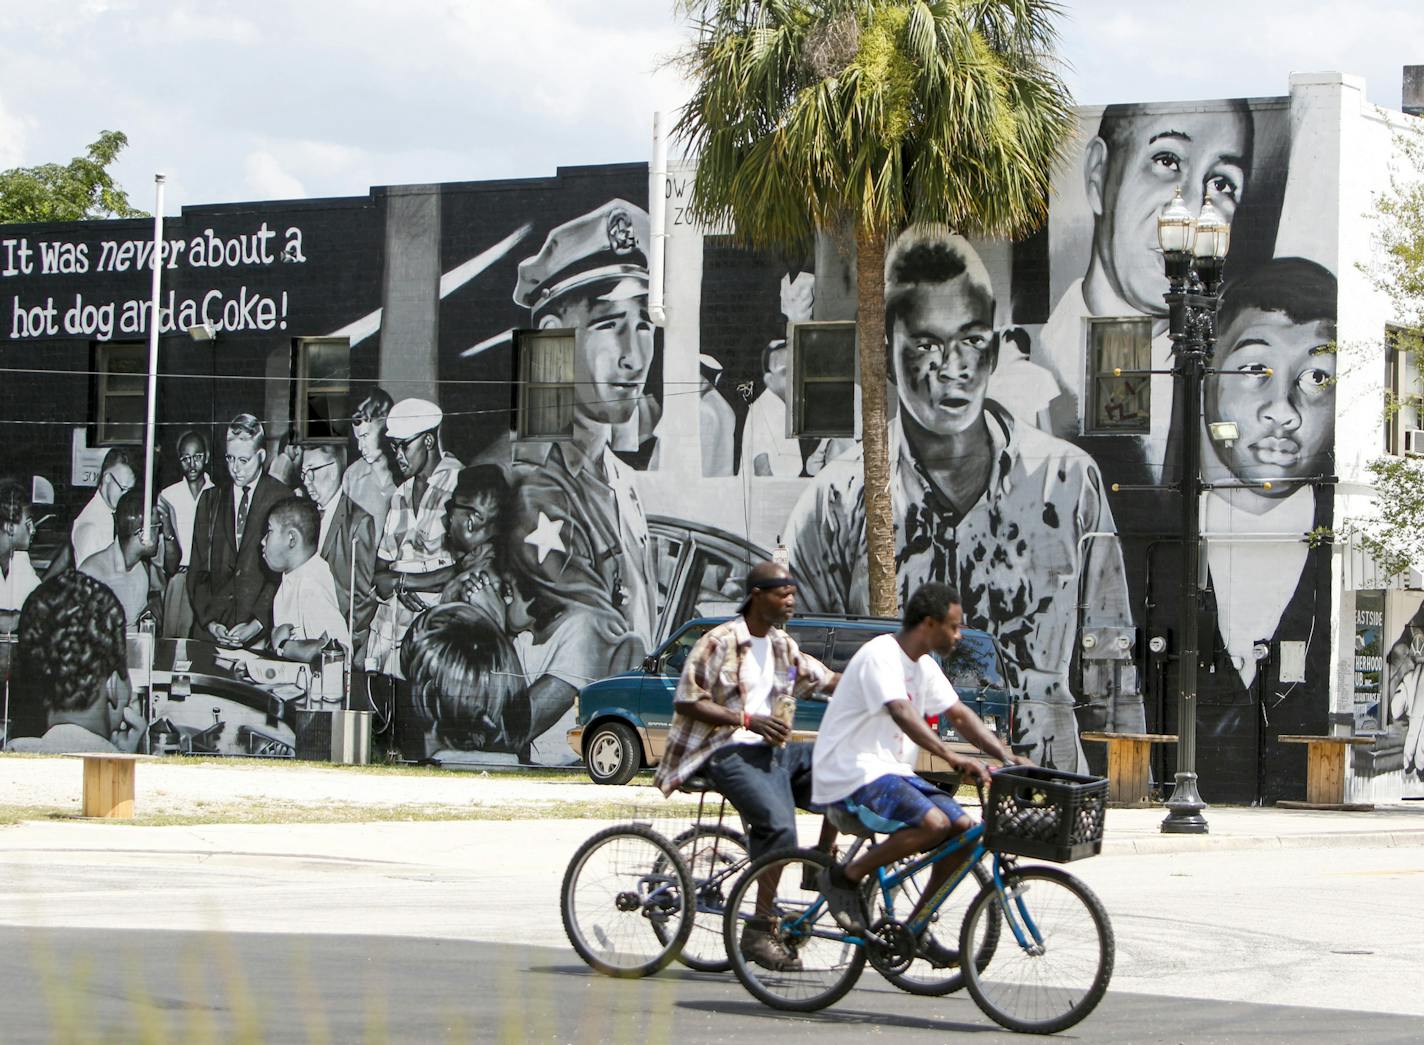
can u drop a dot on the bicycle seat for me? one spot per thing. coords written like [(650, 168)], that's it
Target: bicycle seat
[(846, 822), (695, 785)]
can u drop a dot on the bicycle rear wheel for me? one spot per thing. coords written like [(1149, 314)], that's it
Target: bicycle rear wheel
[(1060, 971), (714, 855), (935, 970), (827, 964), (626, 901)]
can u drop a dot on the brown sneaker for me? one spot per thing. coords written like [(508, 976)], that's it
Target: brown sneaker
[(760, 946)]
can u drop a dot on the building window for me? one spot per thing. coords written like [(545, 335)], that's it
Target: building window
[(823, 372), (123, 387), (545, 404), (1119, 403), (323, 399), (1404, 393)]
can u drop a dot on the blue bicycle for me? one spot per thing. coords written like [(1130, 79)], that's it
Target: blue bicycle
[(1035, 947)]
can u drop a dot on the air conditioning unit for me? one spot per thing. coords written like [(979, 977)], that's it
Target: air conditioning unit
[(1414, 442)]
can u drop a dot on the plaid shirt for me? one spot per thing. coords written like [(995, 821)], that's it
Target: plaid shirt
[(714, 672), (412, 533)]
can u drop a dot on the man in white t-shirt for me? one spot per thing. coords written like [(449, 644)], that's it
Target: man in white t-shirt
[(865, 754)]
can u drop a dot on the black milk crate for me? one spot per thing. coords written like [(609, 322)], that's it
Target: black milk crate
[(1045, 813)]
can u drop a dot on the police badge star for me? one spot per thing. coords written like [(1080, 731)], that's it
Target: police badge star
[(546, 538)]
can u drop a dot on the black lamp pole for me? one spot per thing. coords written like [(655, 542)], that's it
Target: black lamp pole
[(1194, 250)]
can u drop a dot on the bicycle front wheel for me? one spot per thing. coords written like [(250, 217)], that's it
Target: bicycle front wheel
[(810, 963), (935, 970), (714, 856), (626, 901), (1054, 957)]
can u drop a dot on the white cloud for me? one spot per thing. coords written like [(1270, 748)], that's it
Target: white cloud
[(235, 98), (268, 179), (12, 139)]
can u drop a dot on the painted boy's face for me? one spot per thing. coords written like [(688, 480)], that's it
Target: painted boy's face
[(1203, 153), (1287, 419), (943, 350)]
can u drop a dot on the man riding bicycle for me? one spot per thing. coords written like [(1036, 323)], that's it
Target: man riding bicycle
[(864, 756), (724, 726)]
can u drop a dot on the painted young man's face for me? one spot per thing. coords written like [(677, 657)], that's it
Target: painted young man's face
[(411, 453), (469, 520), (192, 459), (614, 349), (1203, 153), (1286, 420), (943, 350)]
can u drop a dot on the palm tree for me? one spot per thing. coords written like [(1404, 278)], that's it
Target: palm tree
[(872, 115)]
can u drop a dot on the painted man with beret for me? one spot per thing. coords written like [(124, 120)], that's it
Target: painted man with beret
[(412, 560)]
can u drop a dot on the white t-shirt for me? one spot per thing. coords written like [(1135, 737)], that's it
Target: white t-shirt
[(306, 599), (858, 741), (757, 673)]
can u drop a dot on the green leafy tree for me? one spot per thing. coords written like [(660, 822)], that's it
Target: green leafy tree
[(870, 115), (1394, 532), (81, 189)]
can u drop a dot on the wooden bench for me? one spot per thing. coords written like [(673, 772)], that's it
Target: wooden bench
[(1129, 772), (108, 785), (1325, 773)]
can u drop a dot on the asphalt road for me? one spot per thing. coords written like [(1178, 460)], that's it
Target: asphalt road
[(463, 943), (70, 984)]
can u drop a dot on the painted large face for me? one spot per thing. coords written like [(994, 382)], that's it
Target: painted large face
[(614, 349), (321, 475), (943, 350), (1286, 420), (1203, 153), (244, 459), (192, 459)]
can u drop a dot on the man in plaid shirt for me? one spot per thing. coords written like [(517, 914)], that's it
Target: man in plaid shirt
[(412, 562), (723, 726)]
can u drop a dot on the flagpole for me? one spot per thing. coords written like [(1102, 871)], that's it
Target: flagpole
[(153, 323)]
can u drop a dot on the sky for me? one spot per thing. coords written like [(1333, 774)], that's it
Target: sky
[(281, 99)]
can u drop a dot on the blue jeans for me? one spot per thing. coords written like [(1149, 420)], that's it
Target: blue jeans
[(765, 784)]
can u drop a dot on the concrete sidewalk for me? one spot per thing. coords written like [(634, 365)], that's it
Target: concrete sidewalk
[(536, 812)]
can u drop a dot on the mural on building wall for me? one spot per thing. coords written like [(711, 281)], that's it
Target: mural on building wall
[(476, 578), (1402, 745)]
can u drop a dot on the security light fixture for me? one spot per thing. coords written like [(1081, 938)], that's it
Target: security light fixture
[(204, 331), (1224, 432)]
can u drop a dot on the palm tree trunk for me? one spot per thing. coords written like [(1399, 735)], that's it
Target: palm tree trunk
[(870, 335)]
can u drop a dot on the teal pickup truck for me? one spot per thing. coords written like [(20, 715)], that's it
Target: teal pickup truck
[(623, 720)]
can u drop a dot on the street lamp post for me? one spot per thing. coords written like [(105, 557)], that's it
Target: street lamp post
[(1194, 250)]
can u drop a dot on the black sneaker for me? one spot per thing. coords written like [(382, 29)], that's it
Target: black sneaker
[(845, 900)]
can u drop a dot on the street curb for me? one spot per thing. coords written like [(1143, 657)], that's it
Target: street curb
[(1222, 843)]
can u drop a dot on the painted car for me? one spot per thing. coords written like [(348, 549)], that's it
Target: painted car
[(622, 721)]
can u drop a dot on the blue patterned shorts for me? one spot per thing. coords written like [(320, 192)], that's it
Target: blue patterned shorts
[(891, 802)]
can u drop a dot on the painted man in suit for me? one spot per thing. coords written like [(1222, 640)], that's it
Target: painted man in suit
[(229, 585), (347, 540)]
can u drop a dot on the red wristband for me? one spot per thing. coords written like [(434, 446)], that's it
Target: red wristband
[(746, 720)]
